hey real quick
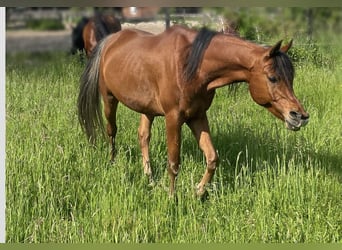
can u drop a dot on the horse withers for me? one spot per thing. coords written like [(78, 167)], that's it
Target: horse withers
[(174, 74)]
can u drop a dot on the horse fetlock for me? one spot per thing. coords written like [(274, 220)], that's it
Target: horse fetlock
[(173, 169), (148, 171), (201, 192), (149, 176), (151, 182), (212, 162), (147, 167), (112, 154), (212, 166)]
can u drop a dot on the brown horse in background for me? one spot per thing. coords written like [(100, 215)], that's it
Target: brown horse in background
[(97, 28), (89, 31), (175, 74)]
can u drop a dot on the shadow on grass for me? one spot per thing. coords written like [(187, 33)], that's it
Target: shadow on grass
[(237, 149), (245, 147)]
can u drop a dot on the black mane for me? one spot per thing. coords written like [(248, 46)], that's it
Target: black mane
[(195, 55), (104, 27), (282, 64)]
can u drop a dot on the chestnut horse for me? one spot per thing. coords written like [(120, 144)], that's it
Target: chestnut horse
[(97, 28), (175, 74)]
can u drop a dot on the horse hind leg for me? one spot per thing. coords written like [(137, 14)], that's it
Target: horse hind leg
[(144, 133), (110, 107)]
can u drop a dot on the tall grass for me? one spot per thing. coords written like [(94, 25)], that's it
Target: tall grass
[(272, 185)]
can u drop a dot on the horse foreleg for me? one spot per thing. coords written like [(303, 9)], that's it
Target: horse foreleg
[(173, 138), (110, 107), (144, 133), (200, 129)]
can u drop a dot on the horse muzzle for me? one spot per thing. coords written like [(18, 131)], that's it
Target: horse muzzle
[(296, 120)]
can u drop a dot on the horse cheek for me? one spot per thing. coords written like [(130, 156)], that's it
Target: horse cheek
[(259, 94)]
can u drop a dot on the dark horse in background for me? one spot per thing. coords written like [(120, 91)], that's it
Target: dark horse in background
[(174, 74), (77, 36), (89, 31)]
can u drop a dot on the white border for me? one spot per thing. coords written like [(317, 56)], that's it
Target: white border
[(2, 126)]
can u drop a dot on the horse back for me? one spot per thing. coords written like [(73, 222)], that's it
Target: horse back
[(165, 49)]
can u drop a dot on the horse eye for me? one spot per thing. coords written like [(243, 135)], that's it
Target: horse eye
[(272, 79)]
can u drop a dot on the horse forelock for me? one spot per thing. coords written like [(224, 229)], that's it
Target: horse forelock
[(283, 67), (196, 52)]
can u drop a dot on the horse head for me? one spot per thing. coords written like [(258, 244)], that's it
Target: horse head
[(271, 86)]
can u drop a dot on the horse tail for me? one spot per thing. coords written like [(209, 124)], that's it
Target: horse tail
[(105, 25), (89, 104)]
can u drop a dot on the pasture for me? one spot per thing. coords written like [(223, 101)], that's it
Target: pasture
[(272, 184)]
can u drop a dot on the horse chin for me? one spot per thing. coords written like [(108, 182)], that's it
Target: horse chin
[(292, 126)]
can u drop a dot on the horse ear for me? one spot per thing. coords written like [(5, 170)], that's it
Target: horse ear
[(286, 47), (273, 50)]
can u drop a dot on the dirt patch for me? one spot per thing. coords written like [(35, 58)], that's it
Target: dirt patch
[(32, 41), (153, 27)]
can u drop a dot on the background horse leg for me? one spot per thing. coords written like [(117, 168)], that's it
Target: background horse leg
[(110, 107), (173, 138), (200, 129), (144, 133)]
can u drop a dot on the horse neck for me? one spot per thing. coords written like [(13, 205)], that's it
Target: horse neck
[(227, 60)]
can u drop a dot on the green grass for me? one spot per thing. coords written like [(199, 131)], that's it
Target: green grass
[(272, 185)]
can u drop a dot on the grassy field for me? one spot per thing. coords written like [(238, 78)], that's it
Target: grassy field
[(272, 185)]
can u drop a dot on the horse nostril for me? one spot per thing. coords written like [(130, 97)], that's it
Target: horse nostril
[(295, 114), (298, 115)]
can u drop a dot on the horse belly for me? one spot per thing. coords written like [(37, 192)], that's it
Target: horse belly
[(139, 101), (139, 96)]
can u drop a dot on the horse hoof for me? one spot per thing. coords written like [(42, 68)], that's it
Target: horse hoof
[(173, 198), (202, 194), (151, 184), (150, 181)]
